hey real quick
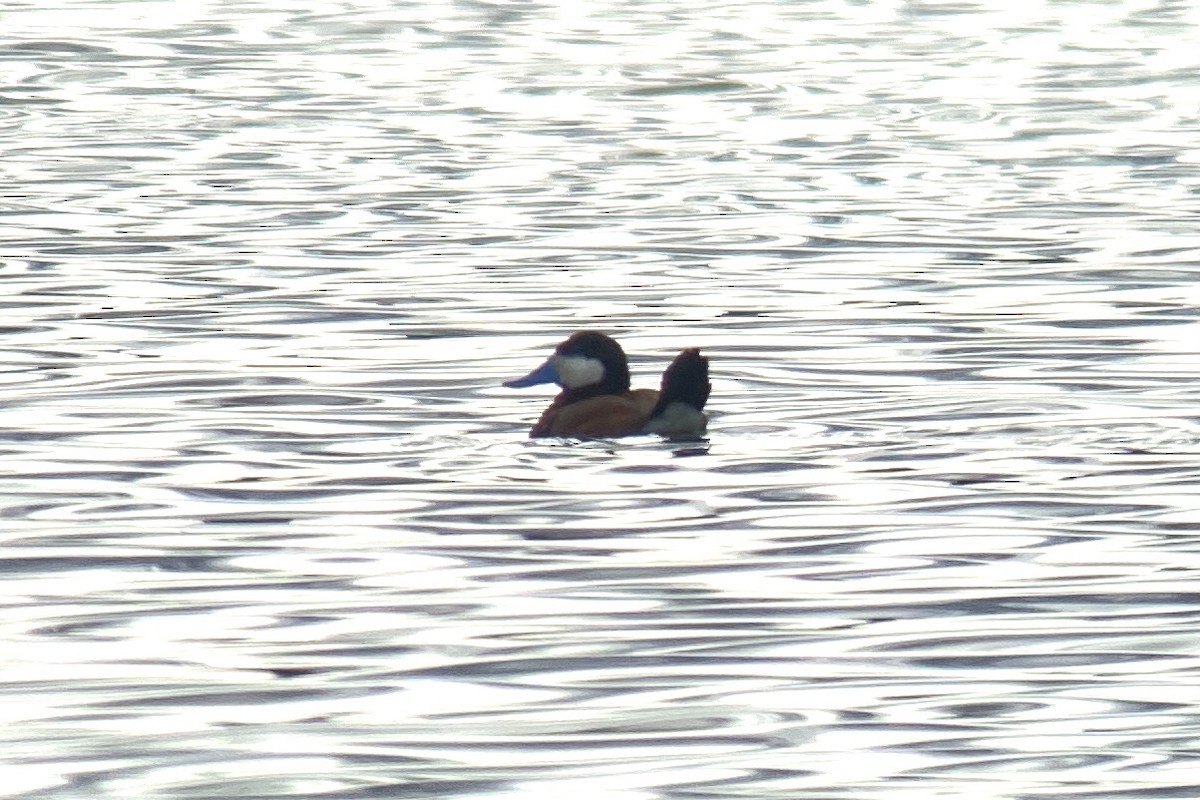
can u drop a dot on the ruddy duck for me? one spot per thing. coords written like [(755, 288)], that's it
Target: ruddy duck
[(596, 400)]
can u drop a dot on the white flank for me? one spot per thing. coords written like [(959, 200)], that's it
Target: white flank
[(678, 419)]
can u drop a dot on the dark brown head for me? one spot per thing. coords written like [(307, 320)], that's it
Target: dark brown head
[(589, 363)]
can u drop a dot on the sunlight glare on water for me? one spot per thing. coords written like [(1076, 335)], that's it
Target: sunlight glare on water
[(273, 527)]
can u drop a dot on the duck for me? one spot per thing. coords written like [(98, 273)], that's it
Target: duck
[(596, 401)]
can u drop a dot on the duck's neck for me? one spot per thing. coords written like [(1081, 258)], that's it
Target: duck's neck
[(615, 381)]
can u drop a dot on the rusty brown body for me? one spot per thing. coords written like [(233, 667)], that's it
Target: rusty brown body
[(601, 416)]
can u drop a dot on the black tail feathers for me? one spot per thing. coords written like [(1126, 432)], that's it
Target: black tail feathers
[(685, 381)]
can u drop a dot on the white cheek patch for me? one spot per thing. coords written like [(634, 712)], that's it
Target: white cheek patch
[(575, 372)]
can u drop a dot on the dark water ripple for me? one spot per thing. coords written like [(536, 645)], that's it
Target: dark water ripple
[(272, 528)]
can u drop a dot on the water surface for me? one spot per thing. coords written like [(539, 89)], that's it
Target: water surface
[(272, 528)]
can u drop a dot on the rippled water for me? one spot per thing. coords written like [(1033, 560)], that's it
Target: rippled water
[(272, 529)]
